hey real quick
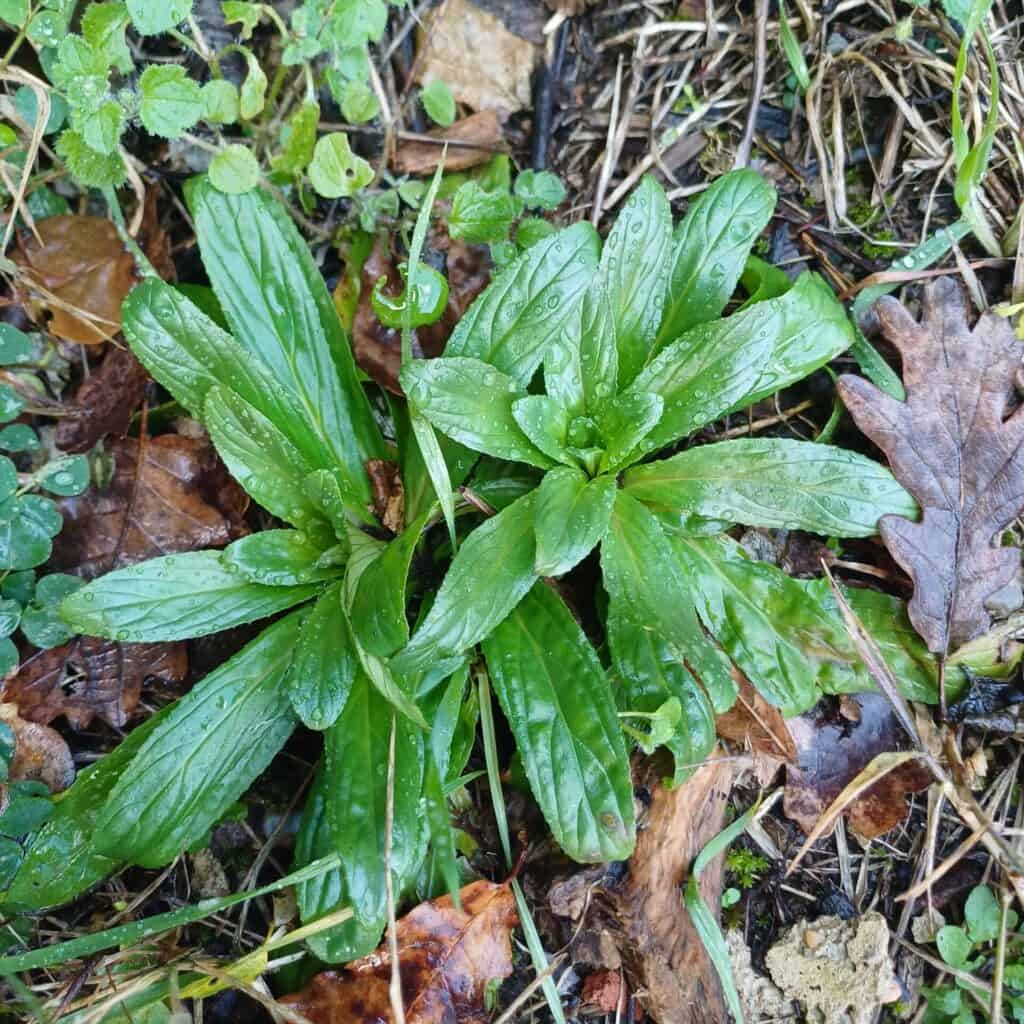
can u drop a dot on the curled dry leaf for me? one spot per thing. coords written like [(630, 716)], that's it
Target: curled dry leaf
[(447, 958), (481, 137), (833, 748), (40, 753), (178, 498), (91, 677), (955, 444), (83, 264)]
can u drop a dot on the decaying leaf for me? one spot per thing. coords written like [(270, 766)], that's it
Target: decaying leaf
[(480, 134), (40, 753), (91, 677), (499, 79), (104, 402), (387, 492), (83, 264), (754, 724), (955, 444), (447, 958), (833, 748), (178, 498)]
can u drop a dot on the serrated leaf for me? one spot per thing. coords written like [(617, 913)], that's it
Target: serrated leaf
[(103, 28), (438, 102), (540, 190), (234, 170), (634, 269), (775, 483), (101, 128), (472, 403), (570, 519), (325, 662), (517, 317), (174, 598), (336, 171), (710, 248), (89, 168), (474, 598), (150, 18), (171, 101), (722, 366), (479, 216), (559, 705), (204, 754), (278, 558)]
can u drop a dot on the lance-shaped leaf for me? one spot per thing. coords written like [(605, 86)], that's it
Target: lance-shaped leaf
[(356, 770), (727, 364), (648, 590), (710, 248), (472, 403), (204, 754), (325, 662), (514, 321), (488, 577), (546, 423), (174, 598), (278, 306), (771, 482), (634, 269), (279, 558), (559, 704), (957, 447), (571, 517), (625, 421)]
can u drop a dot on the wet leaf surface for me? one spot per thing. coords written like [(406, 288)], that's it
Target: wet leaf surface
[(956, 445), (447, 958), (81, 261), (40, 753)]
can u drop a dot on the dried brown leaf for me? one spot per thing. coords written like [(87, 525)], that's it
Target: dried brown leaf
[(447, 957), (92, 677), (482, 130), (754, 724), (177, 498), (387, 492), (955, 444), (40, 753), (84, 264)]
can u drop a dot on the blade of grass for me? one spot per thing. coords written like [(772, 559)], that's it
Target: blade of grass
[(791, 48)]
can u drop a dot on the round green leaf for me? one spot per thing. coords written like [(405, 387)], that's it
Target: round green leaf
[(438, 102), (19, 437), (15, 346), (14, 12), (26, 525), (10, 616), (8, 478), (27, 105), (954, 945), (67, 476), (11, 403), (358, 103), (151, 17), (981, 914), (540, 190), (8, 657), (234, 170), (19, 586), (336, 171), (220, 101), (171, 101), (533, 230)]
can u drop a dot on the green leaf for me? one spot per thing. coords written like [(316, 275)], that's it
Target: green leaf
[(981, 914), (517, 317), (472, 403), (253, 94), (775, 483), (710, 248), (559, 705), (246, 15), (19, 586), (101, 128), (634, 268), (8, 478), (954, 946), (357, 22), (625, 421), (62, 861), (19, 437), (546, 423), (532, 230), (278, 306), (359, 103), (570, 519), (27, 524), (15, 346), (329, 891), (151, 18), (202, 757), (762, 281), (220, 102), (791, 48), (647, 588), (588, 355), (474, 597), (298, 138), (66, 476), (40, 621), (438, 102), (81, 71), (278, 558), (540, 190), (173, 598), (14, 12), (87, 167), (10, 616), (336, 171), (378, 608), (171, 101), (11, 404), (325, 662), (103, 28), (356, 751), (478, 216), (725, 365), (234, 170)]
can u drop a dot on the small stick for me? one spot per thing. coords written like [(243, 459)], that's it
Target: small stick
[(760, 60)]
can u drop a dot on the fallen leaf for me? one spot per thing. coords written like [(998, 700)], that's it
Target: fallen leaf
[(179, 498), (447, 958), (40, 753), (482, 130), (832, 749), (387, 492), (605, 992), (755, 724), (104, 403), (83, 264), (486, 66), (91, 677), (955, 444)]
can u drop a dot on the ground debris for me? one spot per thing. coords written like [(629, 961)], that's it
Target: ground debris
[(482, 137), (759, 997)]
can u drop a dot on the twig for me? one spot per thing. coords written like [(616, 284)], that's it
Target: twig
[(760, 60)]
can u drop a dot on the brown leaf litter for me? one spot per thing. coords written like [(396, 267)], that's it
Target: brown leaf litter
[(40, 753), (955, 444), (480, 136), (447, 958)]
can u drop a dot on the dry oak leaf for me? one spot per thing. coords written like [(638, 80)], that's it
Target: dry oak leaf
[(91, 677), (40, 753), (83, 264), (480, 134), (178, 498), (447, 957), (955, 444)]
